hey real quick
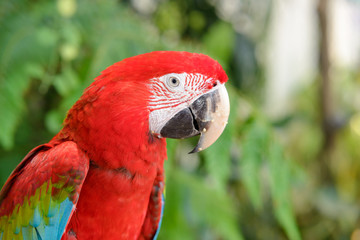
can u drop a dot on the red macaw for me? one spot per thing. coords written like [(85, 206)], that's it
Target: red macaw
[(101, 176)]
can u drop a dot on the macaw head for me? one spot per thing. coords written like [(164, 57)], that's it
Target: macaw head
[(189, 99), (166, 94)]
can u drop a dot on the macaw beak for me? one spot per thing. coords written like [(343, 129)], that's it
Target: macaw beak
[(206, 116)]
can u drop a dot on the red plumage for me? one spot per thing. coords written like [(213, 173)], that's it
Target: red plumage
[(121, 195)]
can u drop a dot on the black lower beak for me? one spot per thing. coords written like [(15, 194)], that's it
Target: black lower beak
[(182, 125)]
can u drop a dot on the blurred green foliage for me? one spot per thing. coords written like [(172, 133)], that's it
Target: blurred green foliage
[(260, 180)]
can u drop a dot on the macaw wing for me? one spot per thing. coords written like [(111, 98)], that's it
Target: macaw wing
[(152, 222), (41, 194)]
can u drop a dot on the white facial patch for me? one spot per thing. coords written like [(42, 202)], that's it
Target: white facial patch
[(172, 93)]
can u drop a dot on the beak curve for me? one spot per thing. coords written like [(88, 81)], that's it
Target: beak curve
[(207, 116), (211, 112)]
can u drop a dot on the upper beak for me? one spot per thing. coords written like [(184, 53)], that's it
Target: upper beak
[(207, 116)]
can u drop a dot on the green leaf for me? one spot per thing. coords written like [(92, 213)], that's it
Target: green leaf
[(169, 17), (174, 224), (201, 204), (27, 50), (53, 121), (66, 82), (253, 147), (12, 104), (280, 179), (219, 41)]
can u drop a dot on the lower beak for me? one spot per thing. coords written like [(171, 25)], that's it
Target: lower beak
[(206, 116)]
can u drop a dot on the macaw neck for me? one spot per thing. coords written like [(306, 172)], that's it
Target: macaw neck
[(117, 147), (113, 130)]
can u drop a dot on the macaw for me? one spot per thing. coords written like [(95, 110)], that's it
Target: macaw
[(102, 176)]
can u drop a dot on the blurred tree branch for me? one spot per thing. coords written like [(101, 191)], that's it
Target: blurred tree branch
[(324, 66), (325, 91)]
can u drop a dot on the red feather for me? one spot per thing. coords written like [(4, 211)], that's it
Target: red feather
[(121, 195)]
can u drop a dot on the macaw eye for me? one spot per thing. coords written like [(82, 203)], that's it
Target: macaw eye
[(173, 82)]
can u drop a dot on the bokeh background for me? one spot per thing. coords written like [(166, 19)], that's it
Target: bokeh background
[(287, 165)]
